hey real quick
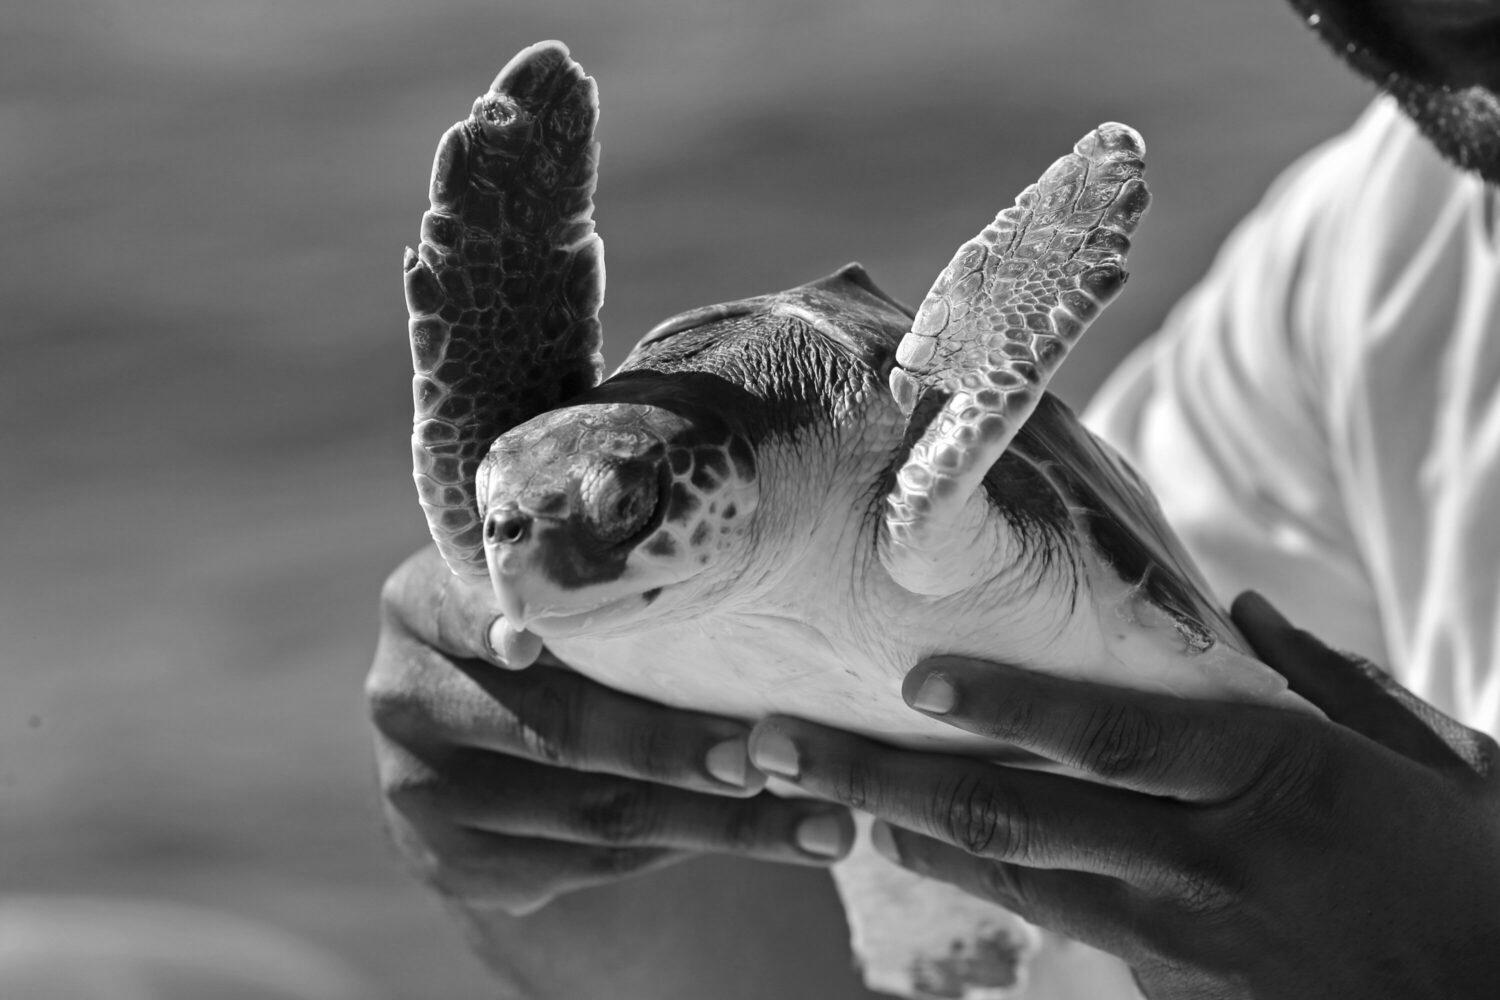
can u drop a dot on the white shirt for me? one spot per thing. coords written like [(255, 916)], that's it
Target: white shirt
[(1320, 417)]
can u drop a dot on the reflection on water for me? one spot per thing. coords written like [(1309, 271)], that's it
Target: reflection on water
[(204, 388)]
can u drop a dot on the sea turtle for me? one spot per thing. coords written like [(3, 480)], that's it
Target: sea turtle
[(781, 504)]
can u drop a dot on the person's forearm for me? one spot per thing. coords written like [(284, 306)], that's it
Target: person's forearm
[(715, 927)]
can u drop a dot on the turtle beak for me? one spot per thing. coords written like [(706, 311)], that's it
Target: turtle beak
[(507, 531), (534, 564), (560, 544), (586, 514)]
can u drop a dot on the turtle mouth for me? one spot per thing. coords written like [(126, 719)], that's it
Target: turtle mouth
[(607, 616)]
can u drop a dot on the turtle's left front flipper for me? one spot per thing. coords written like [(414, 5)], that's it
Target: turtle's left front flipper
[(990, 334), (504, 292)]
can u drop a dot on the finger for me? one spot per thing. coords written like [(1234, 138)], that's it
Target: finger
[(1006, 814), (1197, 751), (514, 649), (1095, 909), (420, 699), (1354, 692), (458, 616), (522, 799), (516, 874)]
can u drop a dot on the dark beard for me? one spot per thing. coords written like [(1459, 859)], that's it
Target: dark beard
[(1463, 124), (1460, 118)]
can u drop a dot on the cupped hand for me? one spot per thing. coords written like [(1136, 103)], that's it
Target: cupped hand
[(508, 787), (1223, 850)]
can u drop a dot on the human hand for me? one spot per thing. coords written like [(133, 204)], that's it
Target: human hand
[(507, 788), (1222, 850)]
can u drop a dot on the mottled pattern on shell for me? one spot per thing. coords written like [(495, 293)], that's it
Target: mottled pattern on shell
[(1002, 316), (504, 290)]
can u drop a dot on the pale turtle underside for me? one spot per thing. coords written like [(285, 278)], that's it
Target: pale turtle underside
[(780, 504)]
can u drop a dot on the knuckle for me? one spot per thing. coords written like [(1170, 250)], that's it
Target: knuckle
[(1003, 883), (1116, 741), (428, 867), (452, 622), (412, 843), (975, 816), (1200, 881), (1205, 891), (652, 752), (412, 791), (435, 871), (423, 600), (488, 881), (1014, 720), (442, 858), (480, 885), (742, 830), (1282, 784), (399, 587), (619, 814), (549, 712), (392, 592), (853, 783), (391, 705)]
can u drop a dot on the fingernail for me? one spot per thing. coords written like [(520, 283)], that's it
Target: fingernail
[(884, 842), (494, 641), (728, 761), (775, 754), (936, 696), (821, 835), (509, 648)]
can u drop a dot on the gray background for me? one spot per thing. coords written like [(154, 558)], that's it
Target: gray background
[(203, 394)]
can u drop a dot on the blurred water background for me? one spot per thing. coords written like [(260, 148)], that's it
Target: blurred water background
[(204, 389)]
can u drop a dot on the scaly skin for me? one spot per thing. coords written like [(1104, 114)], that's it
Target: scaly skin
[(998, 322)]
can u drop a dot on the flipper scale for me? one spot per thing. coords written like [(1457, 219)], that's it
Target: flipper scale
[(504, 289), (996, 325)]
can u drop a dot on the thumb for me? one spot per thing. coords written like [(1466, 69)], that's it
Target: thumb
[(457, 616), (1350, 690)]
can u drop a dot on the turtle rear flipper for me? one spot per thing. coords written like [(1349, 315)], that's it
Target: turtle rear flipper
[(505, 288), (992, 331)]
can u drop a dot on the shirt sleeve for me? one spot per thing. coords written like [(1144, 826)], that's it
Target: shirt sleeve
[(1289, 411)]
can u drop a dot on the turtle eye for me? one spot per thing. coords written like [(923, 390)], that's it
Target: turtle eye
[(619, 500), (631, 508)]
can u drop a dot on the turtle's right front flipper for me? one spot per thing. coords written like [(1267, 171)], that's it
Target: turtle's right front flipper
[(505, 288)]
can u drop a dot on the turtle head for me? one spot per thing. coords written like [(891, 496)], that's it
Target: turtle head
[(644, 498), (594, 512)]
